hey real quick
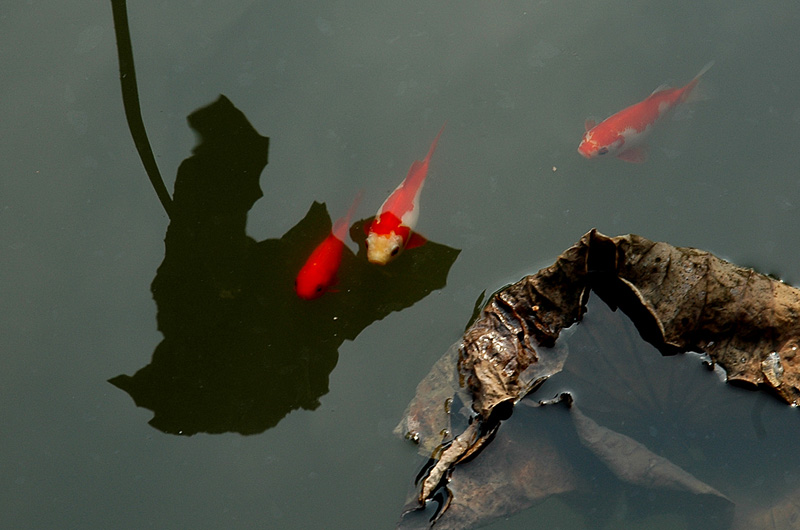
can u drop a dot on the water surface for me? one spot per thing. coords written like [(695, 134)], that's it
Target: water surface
[(349, 95)]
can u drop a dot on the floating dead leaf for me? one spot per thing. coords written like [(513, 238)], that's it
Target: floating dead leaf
[(504, 480), (681, 299)]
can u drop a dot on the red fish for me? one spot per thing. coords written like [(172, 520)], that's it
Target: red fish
[(392, 229), (624, 133), (320, 270)]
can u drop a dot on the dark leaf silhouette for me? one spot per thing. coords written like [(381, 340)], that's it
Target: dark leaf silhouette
[(240, 349), (680, 300)]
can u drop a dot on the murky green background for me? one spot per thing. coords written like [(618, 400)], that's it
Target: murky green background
[(349, 94)]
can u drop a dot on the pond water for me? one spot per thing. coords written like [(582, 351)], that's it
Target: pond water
[(349, 95)]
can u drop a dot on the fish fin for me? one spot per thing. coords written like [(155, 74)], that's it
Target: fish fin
[(704, 91), (637, 155), (589, 124), (415, 241), (416, 167), (705, 69), (682, 113), (435, 143), (660, 88), (693, 92), (341, 226)]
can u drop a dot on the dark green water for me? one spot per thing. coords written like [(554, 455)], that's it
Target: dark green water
[(349, 95)]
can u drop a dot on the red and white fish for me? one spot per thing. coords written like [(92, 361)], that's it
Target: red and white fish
[(623, 134), (392, 230), (320, 270)]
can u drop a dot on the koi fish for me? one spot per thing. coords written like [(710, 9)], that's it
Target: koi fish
[(392, 229), (320, 270), (623, 134)]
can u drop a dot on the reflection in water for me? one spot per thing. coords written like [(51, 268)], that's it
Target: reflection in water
[(130, 101), (240, 349)]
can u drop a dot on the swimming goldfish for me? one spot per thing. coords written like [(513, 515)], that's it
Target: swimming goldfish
[(392, 229), (320, 270), (624, 133)]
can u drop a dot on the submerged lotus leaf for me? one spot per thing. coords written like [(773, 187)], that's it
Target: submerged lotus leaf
[(633, 462), (504, 480), (782, 515), (427, 419)]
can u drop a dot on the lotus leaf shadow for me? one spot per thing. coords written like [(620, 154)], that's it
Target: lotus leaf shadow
[(240, 349)]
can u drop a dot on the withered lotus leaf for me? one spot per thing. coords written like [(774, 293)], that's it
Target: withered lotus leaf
[(680, 299), (745, 321)]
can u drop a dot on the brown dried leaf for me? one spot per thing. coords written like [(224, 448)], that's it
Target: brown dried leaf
[(747, 322), (509, 350), (681, 299), (505, 480)]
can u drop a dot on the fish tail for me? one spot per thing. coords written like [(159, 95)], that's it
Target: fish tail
[(705, 69), (689, 88), (433, 144), (341, 226)]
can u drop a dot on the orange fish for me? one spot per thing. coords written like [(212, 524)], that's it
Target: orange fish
[(623, 134), (320, 270), (392, 229)]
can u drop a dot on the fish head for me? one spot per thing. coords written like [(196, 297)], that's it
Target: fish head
[(310, 283), (383, 248), (590, 147), (309, 290), (593, 145)]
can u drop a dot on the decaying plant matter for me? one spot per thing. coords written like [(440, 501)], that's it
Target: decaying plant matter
[(681, 299)]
